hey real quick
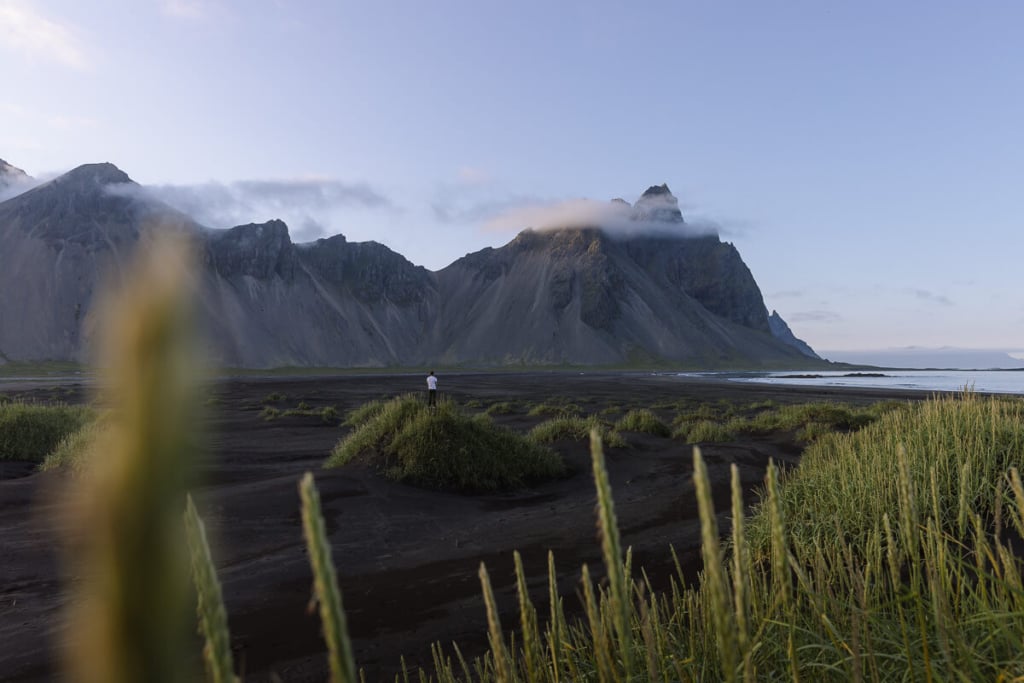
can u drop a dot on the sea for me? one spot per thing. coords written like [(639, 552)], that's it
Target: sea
[(981, 381)]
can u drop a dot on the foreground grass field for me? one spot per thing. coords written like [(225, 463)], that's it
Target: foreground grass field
[(891, 553)]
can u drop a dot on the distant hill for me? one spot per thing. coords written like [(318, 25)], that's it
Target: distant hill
[(924, 358), (582, 296)]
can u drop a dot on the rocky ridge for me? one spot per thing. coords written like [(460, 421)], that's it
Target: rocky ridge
[(572, 296)]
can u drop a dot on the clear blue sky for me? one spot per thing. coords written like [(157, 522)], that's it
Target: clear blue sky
[(866, 158)]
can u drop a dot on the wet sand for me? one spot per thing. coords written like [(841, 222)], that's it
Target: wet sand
[(407, 558)]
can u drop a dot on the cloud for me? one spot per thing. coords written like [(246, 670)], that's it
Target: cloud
[(24, 31), (615, 217), (925, 295), (15, 182), (310, 207), (12, 187), (817, 316)]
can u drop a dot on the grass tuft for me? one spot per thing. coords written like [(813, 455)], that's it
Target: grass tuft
[(30, 431), (642, 421), (442, 448), (577, 429)]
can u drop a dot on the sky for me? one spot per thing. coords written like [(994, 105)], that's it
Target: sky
[(864, 158)]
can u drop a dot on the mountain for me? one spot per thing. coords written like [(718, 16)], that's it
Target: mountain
[(13, 180), (780, 330), (268, 302), (59, 243), (656, 294), (585, 297)]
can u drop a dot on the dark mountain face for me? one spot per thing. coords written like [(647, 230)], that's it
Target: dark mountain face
[(565, 296), (658, 204), (780, 330), (583, 297)]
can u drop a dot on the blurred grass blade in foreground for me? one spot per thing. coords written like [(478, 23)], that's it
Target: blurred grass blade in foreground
[(213, 618), (129, 610)]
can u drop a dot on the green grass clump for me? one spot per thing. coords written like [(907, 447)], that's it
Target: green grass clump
[(441, 448), (30, 431), (274, 397), (967, 444), (704, 431), (501, 408), (74, 451), (364, 413), (270, 413), (826, 415), (553, 408), (642, 421), (705, 411), (576, 428)]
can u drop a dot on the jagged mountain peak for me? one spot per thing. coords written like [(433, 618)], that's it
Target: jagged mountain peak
[(657, 204), (657, 191), (88, 176)]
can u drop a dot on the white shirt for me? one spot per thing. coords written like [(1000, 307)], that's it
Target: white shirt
[(431, 382)]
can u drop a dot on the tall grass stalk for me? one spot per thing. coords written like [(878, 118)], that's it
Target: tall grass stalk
[(213, 618), (715, 580), (502, 663), (621, 605), (325, 584)]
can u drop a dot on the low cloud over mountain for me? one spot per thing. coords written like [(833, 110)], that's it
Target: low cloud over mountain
[(309, 204)]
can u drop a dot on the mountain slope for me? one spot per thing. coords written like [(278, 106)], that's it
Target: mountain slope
[(780, 330), (270, 303), (584, 297), (58, 243)]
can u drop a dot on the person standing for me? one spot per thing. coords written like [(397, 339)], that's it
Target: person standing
[(431, 389)]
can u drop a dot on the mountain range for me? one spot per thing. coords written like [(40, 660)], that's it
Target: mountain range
[(654, 295)]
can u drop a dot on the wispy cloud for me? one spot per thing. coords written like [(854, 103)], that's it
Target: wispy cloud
[(817, 316), (615, 217), (925, 295), (25, 32), (13, 185), (310, 206)]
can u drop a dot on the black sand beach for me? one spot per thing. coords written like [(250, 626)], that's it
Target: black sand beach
[(407, 558)]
